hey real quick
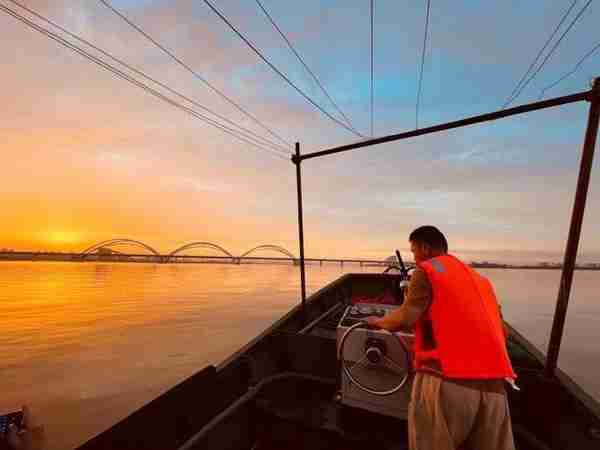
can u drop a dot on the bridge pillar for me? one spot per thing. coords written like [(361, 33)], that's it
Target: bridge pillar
[(321, 262)]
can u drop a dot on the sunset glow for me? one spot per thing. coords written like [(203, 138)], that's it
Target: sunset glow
[(88, 157), (61, 237)]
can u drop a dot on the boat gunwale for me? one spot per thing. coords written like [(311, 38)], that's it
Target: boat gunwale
[(565, 380), (314, 297)]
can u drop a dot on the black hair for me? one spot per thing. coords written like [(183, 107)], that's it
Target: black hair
[(430, 235)]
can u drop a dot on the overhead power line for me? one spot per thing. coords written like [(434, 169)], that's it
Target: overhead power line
[(132, 80), (267, 142), (372, 101), (551, 52), (422, 64), (194, 73), (572, 71), (537, 57), (276, 70), (291, 46)]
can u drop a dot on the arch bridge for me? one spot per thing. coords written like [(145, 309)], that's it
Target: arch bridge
[(198, 245), (275, 248), (116, 242), (192, 245)]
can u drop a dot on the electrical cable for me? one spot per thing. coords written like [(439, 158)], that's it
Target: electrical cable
[(141, 73), (572, 71), (290, 45), (372, 12), (193, 72), (535, 60), (551, 52), (422, 65), (276, 70), (138, 83)]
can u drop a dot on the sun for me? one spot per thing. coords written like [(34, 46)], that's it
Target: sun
[(61, 237)]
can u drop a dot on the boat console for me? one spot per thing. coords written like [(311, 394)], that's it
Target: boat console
[(375, 364)]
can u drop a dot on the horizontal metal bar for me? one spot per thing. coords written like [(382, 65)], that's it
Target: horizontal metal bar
[(456, 124)]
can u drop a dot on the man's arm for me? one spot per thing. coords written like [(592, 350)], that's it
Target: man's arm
[(417, 300)]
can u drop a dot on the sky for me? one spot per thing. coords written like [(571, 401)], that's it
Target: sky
[(88, 157)]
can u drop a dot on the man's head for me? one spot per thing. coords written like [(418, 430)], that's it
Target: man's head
[(427, 242)]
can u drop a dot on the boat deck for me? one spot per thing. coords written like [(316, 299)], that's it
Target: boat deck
[(306, 415)]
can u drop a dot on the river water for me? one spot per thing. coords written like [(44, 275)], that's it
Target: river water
[(86, 344)]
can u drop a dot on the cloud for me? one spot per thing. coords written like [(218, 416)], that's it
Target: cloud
[(85, 152)]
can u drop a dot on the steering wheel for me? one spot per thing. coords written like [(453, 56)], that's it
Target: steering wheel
[(375, 353)]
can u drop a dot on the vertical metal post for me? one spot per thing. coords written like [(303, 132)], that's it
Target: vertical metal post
[(566, 279), (296, 160)]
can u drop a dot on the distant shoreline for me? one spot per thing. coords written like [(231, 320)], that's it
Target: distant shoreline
[(186, 259)]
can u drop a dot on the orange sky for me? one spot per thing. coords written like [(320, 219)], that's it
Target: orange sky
[(86, 157)]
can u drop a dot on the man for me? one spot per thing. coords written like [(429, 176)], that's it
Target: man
[(460, 357)]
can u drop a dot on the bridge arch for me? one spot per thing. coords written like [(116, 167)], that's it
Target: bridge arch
[(276, 248), (198, 245), (111, 242)]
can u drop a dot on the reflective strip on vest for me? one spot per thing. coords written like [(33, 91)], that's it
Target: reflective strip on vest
[(466, 323)]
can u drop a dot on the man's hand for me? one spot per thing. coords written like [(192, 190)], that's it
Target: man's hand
[(374, 322), (30, 437)]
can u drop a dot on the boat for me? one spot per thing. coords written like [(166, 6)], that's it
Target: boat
[(319, 379), (281, 391)]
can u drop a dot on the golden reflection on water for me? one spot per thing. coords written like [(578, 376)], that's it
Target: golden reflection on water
[(87, 343)]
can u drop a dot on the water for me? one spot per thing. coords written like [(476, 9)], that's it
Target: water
[(88, 343)]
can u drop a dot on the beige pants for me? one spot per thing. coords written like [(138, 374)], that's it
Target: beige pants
[(447, 416)]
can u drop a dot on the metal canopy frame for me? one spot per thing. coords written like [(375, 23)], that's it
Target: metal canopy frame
[(592, 96)]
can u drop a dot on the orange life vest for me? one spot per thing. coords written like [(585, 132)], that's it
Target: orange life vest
[(466, 324)]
